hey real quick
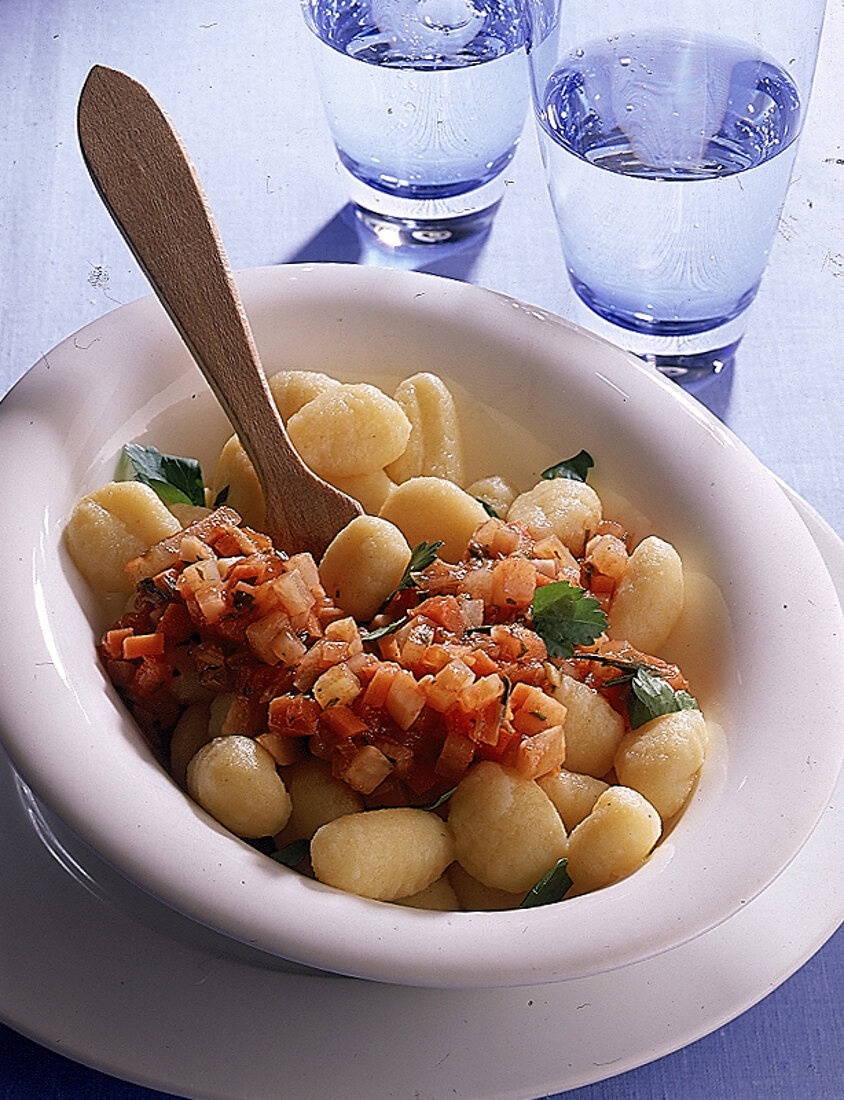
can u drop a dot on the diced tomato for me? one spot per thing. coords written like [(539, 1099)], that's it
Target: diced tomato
[(445, 611), (405, 698), (378, 687), (343, 721), (366, 770), (541, 754), (293, 715), (175, 624), (456, 756), (151, 676), (513, 583)]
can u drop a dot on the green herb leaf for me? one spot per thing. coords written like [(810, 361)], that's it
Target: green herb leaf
[(553, 886), (291, 855), (176, 480), (421, 557), (488, 508), (383, 631), (221, 497), (441, 801), (575, 468), (565, 616), (651, 696)]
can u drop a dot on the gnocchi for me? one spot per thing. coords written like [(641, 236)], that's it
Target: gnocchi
[(573, 794), (293, 389), (237, 782), (385, 854), (569, 509), (363, 564), (662, 759), (331, 702), (613, 840), (593, 728), (236, 482), (507, 832), (429, 508), (349, 431), (649, 597), (112, 525), (434, 448)]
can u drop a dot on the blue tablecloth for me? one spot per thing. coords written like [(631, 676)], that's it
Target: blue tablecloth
[(236, 78)]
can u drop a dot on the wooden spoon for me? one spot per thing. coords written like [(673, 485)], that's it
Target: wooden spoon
[(146, 180)]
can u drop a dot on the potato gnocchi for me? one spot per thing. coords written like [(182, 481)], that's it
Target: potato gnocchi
[(418, 717)]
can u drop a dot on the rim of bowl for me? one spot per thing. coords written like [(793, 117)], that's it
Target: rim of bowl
[(752, 810)]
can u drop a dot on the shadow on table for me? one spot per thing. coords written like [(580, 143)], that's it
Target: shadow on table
[(344, 240)]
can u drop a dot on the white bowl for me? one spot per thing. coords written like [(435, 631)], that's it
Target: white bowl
[(767, 664)]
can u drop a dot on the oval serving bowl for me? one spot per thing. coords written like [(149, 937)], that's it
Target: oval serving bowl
[(763, 644)]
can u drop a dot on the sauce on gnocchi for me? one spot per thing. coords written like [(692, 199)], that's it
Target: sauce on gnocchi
[(460, 696)]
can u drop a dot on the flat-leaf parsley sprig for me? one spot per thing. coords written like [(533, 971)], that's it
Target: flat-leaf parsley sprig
[(176, 480), (564, 616)]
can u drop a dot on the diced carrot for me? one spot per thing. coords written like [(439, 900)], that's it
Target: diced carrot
[(534, 710), (601, 584), (436, 657), (142, 645), (388, 647), (113, 641), (481, 663)]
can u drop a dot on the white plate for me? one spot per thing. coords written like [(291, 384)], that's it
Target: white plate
[(149, 1002), (534, 384)]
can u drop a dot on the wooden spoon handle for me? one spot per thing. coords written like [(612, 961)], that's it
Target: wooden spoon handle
[(146, 180)]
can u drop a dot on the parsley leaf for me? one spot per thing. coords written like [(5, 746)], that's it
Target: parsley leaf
[(575, 468), (421, 557), (553, 886), (488, 508), (382, 631), (564, 616), (650, 697), (441, 801), (176, 480), (291, 855)]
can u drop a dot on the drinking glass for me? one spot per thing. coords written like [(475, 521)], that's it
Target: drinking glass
[(668, 135), (426, 101)]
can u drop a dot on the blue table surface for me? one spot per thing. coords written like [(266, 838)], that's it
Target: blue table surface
[(237, 79)]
